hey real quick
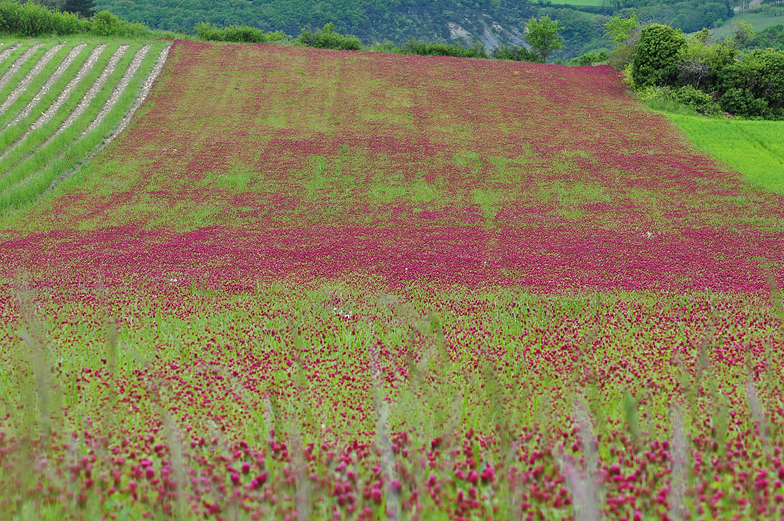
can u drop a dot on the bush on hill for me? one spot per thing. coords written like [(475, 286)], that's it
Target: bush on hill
[(657, 58), (239, 34), (520, 54), (412, 46), (590, 58), (32, 20), (107, 24), (327, 38), (755, 86), (701, 59)]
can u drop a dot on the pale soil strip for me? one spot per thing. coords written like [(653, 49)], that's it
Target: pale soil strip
[(130, 72), (143, 93), (51, 81), (18, 64), (5, 53), (63, 97), (34, 72)]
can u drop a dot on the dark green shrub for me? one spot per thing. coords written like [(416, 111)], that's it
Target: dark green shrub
[(239, 34), (209, 32), (412, 46), (81, 8), (741, 102), (656, 59), (684, 100), (754, 87), (520, 54), (771, 37), (697, 100), (590, 58), (327, 38), (107, 24)]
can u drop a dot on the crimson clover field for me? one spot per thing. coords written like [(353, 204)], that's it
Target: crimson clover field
[(310, 284)]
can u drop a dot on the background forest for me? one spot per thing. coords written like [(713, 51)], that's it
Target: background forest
[(492, 22)]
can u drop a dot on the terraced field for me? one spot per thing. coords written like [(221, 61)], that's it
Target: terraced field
[(60, 101)]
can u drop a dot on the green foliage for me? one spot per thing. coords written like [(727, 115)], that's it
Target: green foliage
[(772, 37), (701, 59), (412, 46), (106, 24), (520, 54), (754, 87), (245, 34), (620, 29), (676, 99), (625, 33), (33, 20), (542, 35), (327, 38), (743, 32), (656, 59), (590, 58)]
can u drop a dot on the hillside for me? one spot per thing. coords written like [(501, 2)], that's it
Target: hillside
[(322, 284), (389, 154), (491, 21)]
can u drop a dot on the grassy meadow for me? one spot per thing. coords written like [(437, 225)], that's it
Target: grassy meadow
[(315, 284), (759, 20), (753, 148)]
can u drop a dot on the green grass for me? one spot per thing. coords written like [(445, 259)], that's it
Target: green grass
[(24, 70), (6, 64), (758, 19), (753, 148)]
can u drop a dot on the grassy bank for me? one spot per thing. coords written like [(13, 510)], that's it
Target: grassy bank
[(753, 148)]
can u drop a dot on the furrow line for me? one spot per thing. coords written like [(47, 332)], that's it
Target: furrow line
[(143, 93), (62, 98), (120, 88), (5, 53), (90, 94), (36, 70), (18, 64), (51, 81)]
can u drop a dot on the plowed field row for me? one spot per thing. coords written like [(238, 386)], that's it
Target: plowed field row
[(60, 102)]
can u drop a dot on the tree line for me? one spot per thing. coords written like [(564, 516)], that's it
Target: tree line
[(400, 20)]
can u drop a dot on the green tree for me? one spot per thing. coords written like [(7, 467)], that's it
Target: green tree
[(657, 58), (542, 35), (83, 8)]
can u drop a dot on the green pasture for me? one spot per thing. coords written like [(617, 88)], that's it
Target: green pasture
[(753, 148), (759, 20)]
